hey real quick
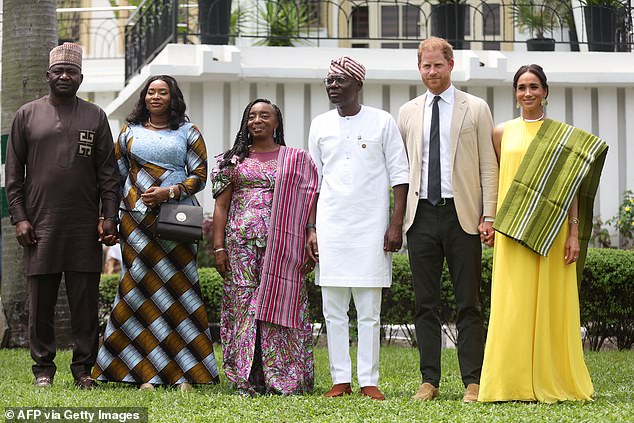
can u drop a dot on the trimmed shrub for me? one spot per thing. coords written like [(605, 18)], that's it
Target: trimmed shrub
[(211, 291), (398, 307), (606, 296), (108, 286)]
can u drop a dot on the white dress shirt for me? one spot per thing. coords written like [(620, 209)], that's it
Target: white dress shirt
[(445, 109)]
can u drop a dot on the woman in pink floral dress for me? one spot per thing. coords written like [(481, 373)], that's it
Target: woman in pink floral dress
[(264, 192)]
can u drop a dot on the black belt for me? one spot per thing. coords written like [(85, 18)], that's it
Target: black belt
[(442, 203)]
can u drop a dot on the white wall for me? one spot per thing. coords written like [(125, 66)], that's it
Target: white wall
[(218, 82)]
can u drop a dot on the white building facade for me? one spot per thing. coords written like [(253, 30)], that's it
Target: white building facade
[(593, 91)]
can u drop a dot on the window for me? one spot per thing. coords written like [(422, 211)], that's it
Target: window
[(389, 21), (400, 22), (491, 25), (491, 19), (360, 22), (411, 21)]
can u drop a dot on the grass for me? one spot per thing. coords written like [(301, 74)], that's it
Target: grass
[(612, 374)]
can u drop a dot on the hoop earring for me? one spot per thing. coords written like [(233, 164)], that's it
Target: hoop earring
[(544, 102)]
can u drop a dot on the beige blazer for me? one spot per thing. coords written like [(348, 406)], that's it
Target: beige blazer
[(473, 161)]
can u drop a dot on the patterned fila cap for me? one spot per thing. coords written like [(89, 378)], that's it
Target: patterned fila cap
[(347, 66), (67, 54)]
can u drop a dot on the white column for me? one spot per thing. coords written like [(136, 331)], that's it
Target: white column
[(399, 95), (194, 102), (479, 91), (266, 90), (629, 139), (211, 123), (373, 95), (609, 194), (556, 108), (319, 102), (293, 114), (503, 104), (239, 97), (582, 108)]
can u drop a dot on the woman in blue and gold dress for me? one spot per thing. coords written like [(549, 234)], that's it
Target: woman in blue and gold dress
[(158, 331)]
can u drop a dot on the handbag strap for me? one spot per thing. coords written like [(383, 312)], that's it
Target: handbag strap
[(180, 184), (157, 210)]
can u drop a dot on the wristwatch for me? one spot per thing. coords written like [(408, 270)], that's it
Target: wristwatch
[(171, 193)]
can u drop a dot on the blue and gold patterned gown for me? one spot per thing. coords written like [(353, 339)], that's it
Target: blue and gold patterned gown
[(158, 330)]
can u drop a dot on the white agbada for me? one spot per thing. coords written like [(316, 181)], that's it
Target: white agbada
[(358, 158)]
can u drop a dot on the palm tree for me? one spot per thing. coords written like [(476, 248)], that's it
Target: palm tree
[(29, 32)]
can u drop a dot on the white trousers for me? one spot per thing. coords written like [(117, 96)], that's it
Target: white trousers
[(367, 301)]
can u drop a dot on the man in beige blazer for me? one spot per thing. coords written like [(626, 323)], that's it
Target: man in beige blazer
[(450, 208)]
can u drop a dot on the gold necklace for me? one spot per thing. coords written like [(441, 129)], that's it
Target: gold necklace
[(149, 122)]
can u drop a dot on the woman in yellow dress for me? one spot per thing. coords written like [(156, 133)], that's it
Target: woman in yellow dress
[(533, 350)]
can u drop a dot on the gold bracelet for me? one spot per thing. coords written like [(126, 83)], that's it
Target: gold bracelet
[(574, 221)]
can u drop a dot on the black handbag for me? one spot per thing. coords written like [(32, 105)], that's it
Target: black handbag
[(180, 222)]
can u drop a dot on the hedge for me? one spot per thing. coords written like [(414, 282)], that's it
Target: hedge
[(606, 296)]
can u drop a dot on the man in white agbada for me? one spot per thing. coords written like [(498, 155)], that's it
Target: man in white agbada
[(359, 154)]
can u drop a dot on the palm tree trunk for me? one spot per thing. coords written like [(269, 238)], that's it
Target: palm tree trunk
[(29, 32)]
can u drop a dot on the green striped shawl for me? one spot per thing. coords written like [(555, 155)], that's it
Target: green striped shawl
[(562, 161)]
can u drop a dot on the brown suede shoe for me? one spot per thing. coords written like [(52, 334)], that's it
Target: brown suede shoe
[(146, 387), (339, 390), (372, 392), (471, 393), (185, 387), (426, 392), (43, 382)]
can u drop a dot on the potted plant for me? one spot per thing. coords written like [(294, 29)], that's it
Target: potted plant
[(285, 19), (601, 22), (448, 21), (540, 18)]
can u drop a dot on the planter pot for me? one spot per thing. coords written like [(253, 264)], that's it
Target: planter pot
[(540, 44), (600, 27), (448, 21), (213, 20)]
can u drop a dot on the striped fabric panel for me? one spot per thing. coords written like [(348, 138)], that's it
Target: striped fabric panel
[(281, 278), (196, 162), (561, 162)]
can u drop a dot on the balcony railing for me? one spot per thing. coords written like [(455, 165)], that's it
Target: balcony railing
[(98, 29), (505, 25)]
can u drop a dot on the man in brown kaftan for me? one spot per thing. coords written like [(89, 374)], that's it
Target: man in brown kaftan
[(62, 187)]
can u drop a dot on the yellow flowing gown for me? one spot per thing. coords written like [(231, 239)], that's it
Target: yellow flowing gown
[(533, 350)]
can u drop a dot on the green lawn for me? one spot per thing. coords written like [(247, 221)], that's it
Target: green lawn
[(612, 374)]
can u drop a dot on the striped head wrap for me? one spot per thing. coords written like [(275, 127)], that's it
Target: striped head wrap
[(348, 66), (67, 54)]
